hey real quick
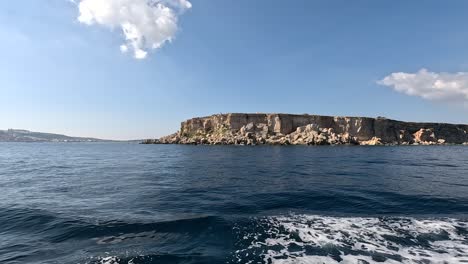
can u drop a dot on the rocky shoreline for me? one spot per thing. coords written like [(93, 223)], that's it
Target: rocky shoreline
[(288, 129)]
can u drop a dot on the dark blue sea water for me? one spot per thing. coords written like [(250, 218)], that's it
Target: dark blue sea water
[(130, 203)]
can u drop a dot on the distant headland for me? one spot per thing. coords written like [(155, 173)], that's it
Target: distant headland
[(290, 129), (21, 135)]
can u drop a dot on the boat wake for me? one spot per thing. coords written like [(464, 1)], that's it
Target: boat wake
[(319, 239)]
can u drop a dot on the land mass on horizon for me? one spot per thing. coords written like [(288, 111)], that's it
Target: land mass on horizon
[(305, 129), (21, 135)]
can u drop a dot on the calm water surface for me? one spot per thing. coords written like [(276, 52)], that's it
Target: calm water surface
[(130, 203)]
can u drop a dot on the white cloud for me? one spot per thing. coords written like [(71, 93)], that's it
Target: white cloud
[(123, 48), (146, 24), (430, 85)]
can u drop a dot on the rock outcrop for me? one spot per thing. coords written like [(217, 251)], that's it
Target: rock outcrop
[(288, 129)]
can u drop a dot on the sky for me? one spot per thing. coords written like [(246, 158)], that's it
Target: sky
[(133, 69)]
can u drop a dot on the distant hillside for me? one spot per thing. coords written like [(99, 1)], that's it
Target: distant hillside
[(19, 135)]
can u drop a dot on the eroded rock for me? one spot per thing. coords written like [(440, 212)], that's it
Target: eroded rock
[(285, 129)]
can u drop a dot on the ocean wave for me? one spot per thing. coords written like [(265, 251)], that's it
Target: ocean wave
[(319, 239), (41, 236), (153, 258), (59, 227)]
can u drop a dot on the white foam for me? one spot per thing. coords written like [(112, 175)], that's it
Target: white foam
[(319, 239), (109, 260)]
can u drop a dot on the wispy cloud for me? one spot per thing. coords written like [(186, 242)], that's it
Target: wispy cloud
[(145, 24), (441, 86)]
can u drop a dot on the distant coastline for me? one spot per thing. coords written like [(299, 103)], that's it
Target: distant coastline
[(21, 135), (290, 129)]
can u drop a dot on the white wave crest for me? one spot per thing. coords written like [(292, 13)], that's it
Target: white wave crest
[(317, 239)]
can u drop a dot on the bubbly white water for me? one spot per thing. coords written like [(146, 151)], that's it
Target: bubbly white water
[(109, 260), (318, 239)]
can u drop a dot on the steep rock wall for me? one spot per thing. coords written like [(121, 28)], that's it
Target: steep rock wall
[(239, 128)]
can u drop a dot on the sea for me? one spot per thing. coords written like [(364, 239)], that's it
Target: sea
[(129, 203)]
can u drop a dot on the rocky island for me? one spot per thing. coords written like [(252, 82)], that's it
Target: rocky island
[(290, 129)]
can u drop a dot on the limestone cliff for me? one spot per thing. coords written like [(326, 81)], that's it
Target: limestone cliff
[(285, 129)]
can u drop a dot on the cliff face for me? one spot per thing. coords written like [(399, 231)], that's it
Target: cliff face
[(312, 130)]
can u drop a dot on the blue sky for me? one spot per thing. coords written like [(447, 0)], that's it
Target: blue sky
[(59, 74)]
